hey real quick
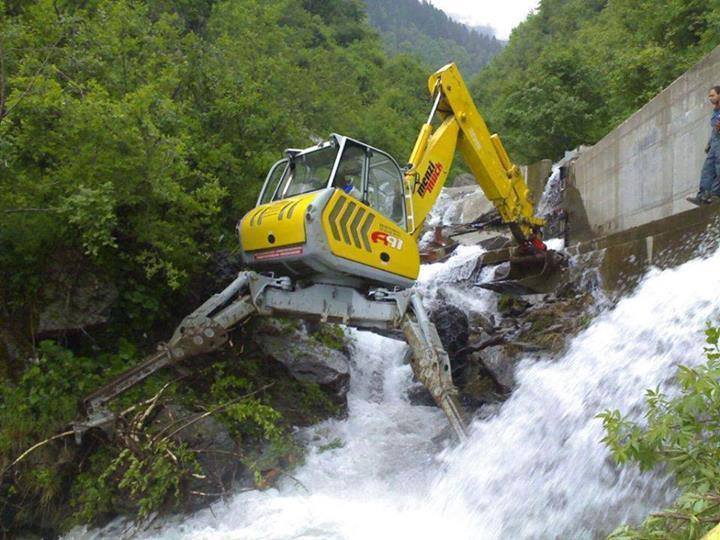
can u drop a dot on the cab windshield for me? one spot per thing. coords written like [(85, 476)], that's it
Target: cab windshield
[(306, 172)]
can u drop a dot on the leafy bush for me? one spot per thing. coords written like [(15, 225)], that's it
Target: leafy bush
[(137, 132), (41, 404), (681, 434)]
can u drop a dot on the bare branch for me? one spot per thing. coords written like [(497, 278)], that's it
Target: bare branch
[(35, 447), (497, 340), (139, 422)]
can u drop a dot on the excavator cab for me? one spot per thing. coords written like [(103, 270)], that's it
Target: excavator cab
[(364, 172), (332, 212)]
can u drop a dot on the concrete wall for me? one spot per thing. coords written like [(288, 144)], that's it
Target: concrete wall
[(643, 170)]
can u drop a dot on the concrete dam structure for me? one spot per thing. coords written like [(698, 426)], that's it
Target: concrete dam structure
[(642, 171)]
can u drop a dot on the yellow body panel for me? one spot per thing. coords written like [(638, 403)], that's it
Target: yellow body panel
[(713, 534), (358, 233), (276, 224), (430, 171)]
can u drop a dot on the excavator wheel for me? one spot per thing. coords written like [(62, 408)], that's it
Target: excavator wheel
[(454, 331)]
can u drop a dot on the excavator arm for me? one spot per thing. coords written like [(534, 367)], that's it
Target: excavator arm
[(463, 128)]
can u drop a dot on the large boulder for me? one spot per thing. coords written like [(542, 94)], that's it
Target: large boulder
[(307, 359), (453, 329), (499, 364), (216, 453)]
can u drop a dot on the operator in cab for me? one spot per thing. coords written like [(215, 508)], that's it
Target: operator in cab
[(350, 182)]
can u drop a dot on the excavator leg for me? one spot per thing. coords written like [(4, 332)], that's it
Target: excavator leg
[(206, 329), (431, 364)]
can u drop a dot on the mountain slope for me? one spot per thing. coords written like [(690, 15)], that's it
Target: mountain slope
[(419, 28)]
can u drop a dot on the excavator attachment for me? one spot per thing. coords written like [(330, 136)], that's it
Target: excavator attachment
[(540, 273)]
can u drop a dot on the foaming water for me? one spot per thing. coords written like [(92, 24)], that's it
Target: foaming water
[(552, 193), (535, 470)]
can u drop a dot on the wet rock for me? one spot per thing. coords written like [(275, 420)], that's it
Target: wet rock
[(496, 242), (547, 325), (452, 326), (480, 388), (417, 394), (464, 179), (305, 358), (454, 331), (489, 376), (484, 322), (508, 325), (499, 364), (512, 306)]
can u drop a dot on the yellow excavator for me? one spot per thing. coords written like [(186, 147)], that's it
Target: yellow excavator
[(334, 237)]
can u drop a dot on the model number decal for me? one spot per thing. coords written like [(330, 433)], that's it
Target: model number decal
[(379, 237)]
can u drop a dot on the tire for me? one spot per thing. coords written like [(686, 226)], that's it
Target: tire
[(454, 331)]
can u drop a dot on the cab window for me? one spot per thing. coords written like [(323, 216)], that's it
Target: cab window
[(274, 178), (307, 172), (385, 188), (351, 170)]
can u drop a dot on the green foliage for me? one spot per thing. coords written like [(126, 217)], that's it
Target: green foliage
[(151, 473), (316, 402), (141, 470), (40, 404), (133, 135), (138, 132), (575, 69), (45, 397), (255, 418), (331, 335), (91, 497), (682, 434)]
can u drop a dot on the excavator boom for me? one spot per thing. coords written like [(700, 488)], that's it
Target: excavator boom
[(463, 128), (531, 268)]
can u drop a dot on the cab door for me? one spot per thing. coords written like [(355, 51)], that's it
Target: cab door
[(385, 188)]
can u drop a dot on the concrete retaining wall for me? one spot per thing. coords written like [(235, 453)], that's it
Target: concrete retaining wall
[(643, 170)]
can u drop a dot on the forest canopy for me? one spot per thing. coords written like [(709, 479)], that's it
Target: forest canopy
[(419, 28), (137, 132), (575, 69)]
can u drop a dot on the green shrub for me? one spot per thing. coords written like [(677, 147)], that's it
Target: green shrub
[(682, 434)]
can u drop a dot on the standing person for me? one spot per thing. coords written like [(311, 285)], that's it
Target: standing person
[(710, 175)]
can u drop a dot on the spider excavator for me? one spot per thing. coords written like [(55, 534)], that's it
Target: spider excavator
[(334, 238)]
